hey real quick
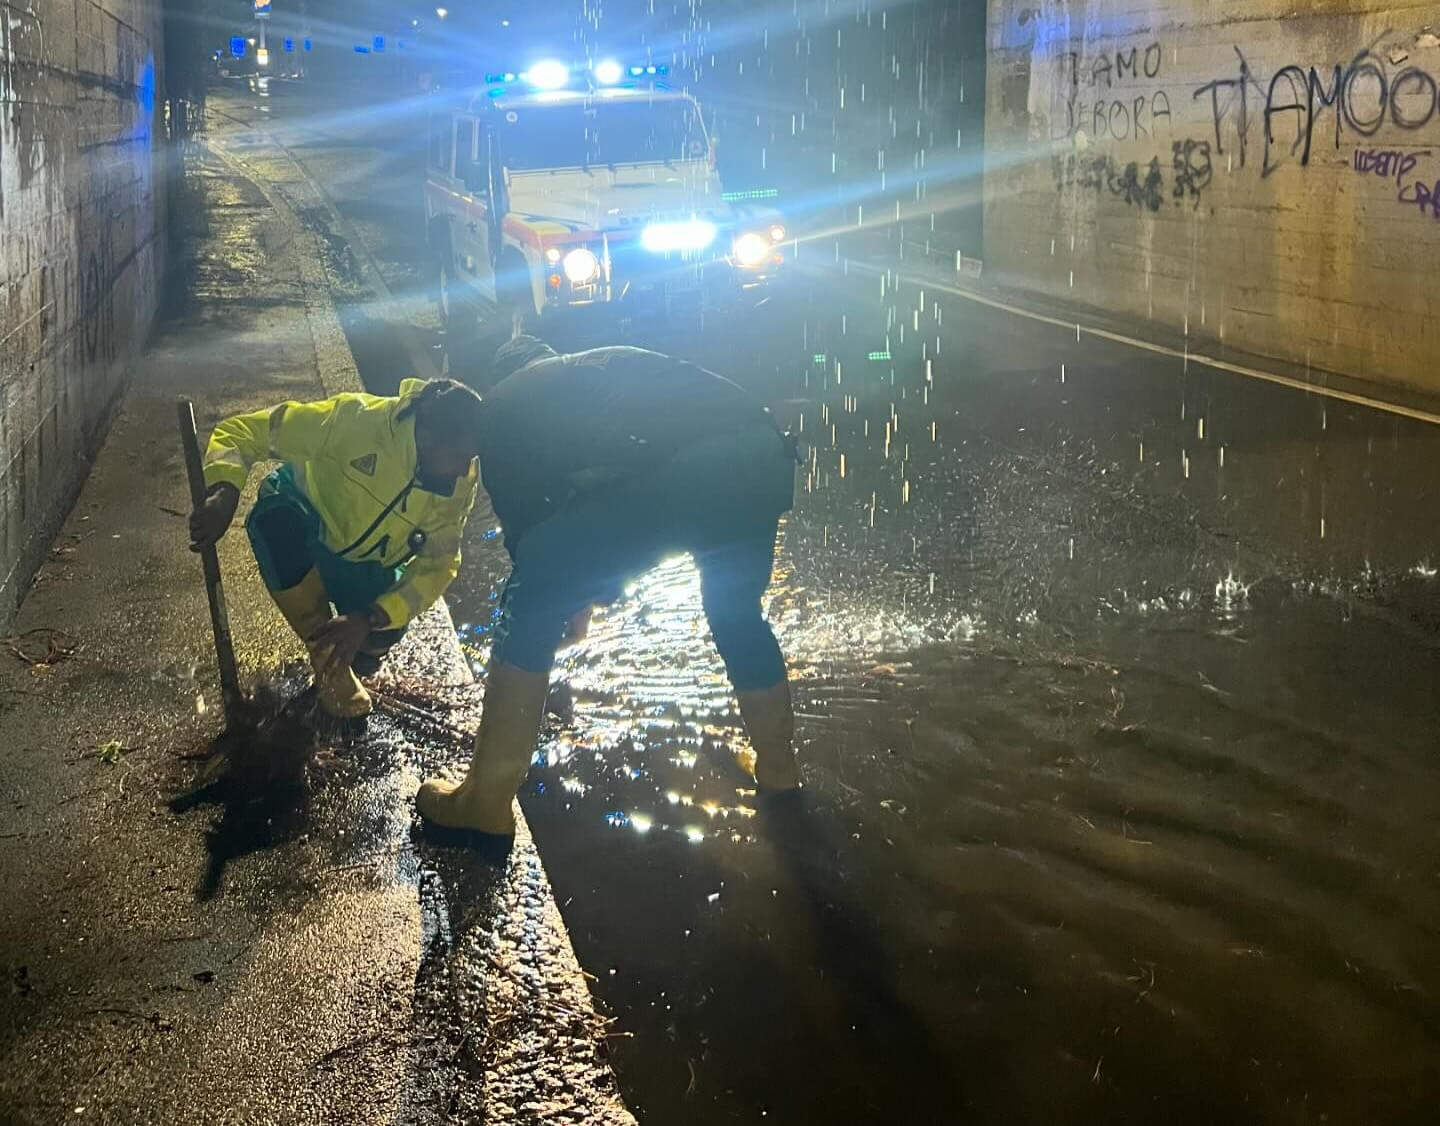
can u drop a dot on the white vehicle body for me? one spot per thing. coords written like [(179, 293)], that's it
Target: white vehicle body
[(543, 200)]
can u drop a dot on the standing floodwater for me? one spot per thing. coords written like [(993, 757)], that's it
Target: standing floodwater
[(1122, 781)]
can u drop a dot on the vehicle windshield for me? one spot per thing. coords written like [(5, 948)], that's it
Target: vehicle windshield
[(569, 134)]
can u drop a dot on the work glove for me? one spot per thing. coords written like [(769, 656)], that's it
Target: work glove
[(212, 519), (344, 636)]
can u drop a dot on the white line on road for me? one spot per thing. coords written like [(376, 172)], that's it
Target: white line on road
[(1415, 413)]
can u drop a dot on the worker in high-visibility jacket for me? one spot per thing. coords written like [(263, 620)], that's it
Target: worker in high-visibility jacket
[(364, 514)]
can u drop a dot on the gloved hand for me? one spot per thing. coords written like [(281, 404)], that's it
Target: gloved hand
[(344, 636), (212, 519)]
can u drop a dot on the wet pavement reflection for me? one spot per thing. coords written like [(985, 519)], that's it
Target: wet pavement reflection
[(1120, 785), (1115, 678)]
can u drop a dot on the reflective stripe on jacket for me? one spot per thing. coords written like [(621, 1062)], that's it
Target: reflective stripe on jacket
[(354, 460)]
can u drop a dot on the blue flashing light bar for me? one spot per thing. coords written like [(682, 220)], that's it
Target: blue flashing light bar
[(606, 73), (237, 46), (378, 43), (308, 45), (361, 49), (289, 46)]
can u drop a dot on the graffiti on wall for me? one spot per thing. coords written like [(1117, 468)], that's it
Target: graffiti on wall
[(1099, 98), (1399, 166), (1301, 107), (1191, 170), (1252, 118)]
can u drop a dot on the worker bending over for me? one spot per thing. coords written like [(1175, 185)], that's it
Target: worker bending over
[(599, 465), (364, 514)]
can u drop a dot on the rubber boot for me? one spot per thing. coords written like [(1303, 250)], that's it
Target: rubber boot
[(306, 606), (770, 723), (509, 727)]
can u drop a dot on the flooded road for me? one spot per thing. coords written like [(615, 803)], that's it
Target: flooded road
[(1121, 783), (1116, 689)]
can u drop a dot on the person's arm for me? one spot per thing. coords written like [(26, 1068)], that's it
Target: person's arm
[(289, 432), (427, 576)]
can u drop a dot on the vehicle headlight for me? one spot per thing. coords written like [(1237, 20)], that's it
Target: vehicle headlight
[(751, 249), (581, 266), (777, 233)]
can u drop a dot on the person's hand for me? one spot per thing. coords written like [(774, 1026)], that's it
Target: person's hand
[(344, 635), (212, 519)]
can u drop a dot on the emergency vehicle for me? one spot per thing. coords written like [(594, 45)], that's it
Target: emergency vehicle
[(555, 188)]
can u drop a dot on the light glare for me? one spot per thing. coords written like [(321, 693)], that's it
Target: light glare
[(581, 266), (693, 234), (548, 74), (751, 249)]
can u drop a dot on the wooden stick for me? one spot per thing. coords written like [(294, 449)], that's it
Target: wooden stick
[(219, 620)]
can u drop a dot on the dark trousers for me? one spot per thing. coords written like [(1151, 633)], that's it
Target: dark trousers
[(285, 535), (720, 501)]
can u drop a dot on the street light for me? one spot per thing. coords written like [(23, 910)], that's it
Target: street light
[(442, 12)]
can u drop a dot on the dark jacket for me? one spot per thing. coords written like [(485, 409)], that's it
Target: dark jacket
[(563, 426)]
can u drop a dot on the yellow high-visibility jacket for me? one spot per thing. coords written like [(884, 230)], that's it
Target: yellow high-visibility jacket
[(354, 460)]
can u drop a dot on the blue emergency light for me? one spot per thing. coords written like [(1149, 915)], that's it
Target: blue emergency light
[(551, 74), (379, 43), (307, 44), (237, 46), (289, 46)]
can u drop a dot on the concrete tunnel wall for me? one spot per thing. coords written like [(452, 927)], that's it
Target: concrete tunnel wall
[(1239, 170), (81, 248)]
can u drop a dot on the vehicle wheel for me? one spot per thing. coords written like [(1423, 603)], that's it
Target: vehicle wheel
[(512, 288), (458, 304)]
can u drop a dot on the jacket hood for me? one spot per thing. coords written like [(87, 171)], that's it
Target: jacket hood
[(518, 353)]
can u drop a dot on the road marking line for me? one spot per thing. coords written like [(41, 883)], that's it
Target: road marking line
[(1165, 350)]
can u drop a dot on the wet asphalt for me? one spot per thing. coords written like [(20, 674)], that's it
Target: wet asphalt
[(1115, 676)]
